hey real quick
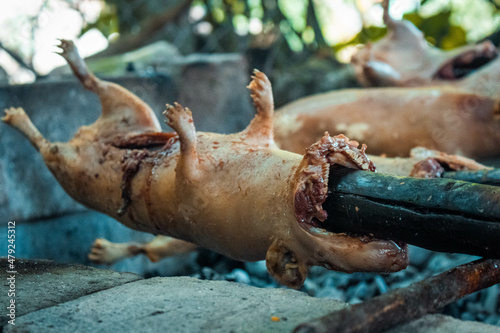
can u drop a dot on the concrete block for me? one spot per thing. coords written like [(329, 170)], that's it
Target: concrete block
[(179, 305), (43, 283), (182, 304), (437, 323)]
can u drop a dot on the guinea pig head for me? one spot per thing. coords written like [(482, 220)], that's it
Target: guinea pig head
[(305, 243)]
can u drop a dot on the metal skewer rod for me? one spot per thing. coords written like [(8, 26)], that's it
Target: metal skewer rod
[(438, 214), (402, 305)]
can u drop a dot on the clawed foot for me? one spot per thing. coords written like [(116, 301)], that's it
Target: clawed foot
[(260, 130), (15, 116), (181, 120), (77, 64), (104, 252), (261, 92), (68, 51), (67, 46), (177, 116)]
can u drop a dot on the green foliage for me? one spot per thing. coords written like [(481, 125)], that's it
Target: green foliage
[(438, 30), (296, 20), (107, 23), (495, 3), (367, 34)]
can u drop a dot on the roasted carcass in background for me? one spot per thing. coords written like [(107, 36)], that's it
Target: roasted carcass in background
[(456, 110), (404, 58), (392, 121)]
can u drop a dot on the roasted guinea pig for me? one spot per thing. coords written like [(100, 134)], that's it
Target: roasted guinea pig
[(456, 111), (392, 121), (404, 58), (238, 194)]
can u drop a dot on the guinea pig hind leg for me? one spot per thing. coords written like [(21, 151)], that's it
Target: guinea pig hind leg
[(77, 64), (119, 105), (163, 247), (260, 128), (104, 252), (17, 118), (181, 120)]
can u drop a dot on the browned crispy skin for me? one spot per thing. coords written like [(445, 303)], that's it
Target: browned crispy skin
[(424, 163), (403, 58), (236, 194), (392, 121)]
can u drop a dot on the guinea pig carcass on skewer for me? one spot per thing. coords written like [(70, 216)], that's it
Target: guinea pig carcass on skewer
[(447, 101), (404, 58), (392, 121), (236, 194)]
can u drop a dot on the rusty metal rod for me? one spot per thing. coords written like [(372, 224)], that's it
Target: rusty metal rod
[(403, 305), (437, 214)]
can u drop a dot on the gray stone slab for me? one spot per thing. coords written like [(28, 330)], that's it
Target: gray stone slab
[(438, 323), (179, 305), (182, 304), (41, 284)]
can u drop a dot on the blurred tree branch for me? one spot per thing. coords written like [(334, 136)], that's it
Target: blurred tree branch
[(18, 59), (148, 29)]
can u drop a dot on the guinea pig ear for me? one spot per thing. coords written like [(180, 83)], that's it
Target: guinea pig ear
[(284, 266)]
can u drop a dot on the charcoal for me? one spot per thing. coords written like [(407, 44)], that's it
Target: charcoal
[(355, 288), (257, 269), (419, 256), (332, 293), (381, 285), (238, 275), (491, 300)]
